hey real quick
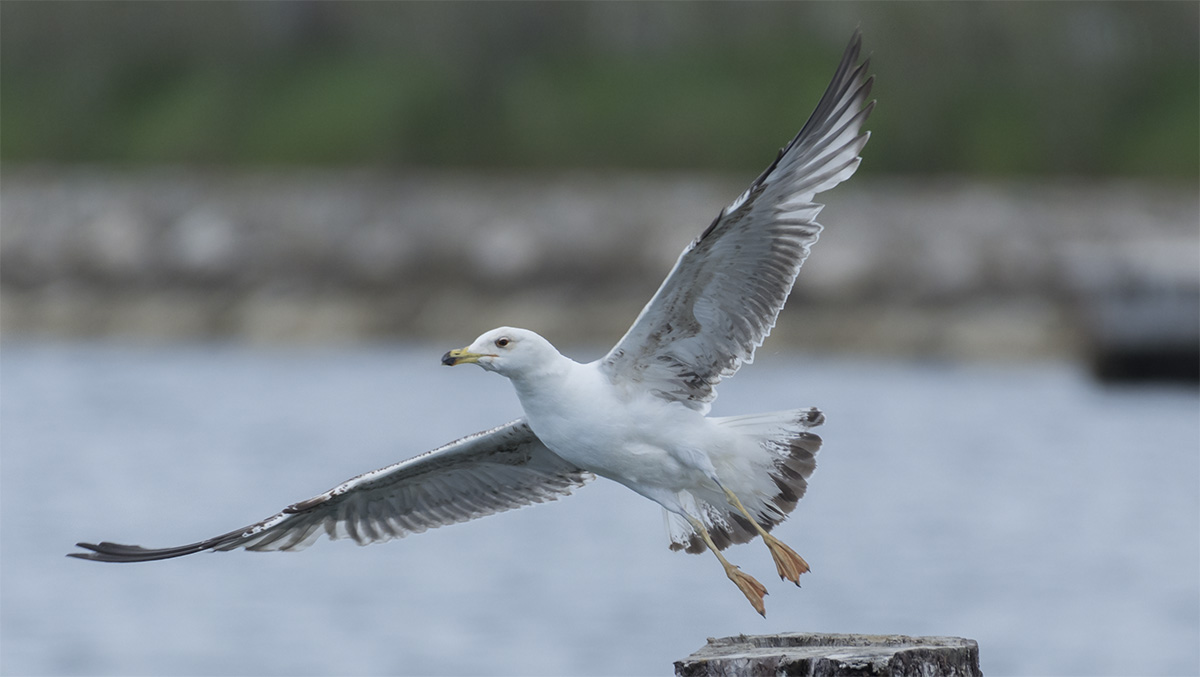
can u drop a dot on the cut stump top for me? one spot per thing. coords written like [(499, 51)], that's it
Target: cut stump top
[(833, 655)]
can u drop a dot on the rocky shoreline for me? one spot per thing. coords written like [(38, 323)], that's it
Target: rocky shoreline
[(943, 268)]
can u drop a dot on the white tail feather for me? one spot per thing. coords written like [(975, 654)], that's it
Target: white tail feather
[(768, 472)]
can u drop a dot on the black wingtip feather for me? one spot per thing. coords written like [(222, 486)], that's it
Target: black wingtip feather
[(106, 551)]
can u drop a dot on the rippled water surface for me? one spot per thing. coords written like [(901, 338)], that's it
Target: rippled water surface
[(1053, 520)]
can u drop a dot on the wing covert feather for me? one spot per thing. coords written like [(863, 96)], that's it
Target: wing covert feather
[(488, 472)]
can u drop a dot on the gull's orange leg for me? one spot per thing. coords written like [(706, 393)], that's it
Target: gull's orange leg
[(787, 562), (751, 588)]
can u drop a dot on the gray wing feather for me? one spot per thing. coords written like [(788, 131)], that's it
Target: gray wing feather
[(722, 298), (488, 472)]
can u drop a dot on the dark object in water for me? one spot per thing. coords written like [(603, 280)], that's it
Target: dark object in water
[(1145, 333)]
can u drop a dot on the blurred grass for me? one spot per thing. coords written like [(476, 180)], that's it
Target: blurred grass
[(1084, 88)]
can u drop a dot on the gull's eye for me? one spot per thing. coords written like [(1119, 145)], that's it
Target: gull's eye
[(502, 342)]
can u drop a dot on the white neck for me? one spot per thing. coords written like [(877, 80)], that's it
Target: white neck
[(543, 387)]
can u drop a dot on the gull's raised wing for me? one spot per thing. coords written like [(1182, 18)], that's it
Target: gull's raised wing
[(488, 472), (721, 299)]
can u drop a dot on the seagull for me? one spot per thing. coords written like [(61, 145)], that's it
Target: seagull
[(639, 415)]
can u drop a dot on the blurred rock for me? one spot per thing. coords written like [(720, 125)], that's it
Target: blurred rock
[(203, 243), (114, 244)]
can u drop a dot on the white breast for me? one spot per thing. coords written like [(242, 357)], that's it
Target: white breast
[(580, 416)]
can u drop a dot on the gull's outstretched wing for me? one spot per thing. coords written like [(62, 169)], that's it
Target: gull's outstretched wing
[(488, 472), (721, 299)]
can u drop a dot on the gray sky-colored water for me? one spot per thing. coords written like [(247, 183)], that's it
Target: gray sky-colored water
[(1026, 507)]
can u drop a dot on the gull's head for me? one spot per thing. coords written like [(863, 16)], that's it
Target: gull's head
[(507, 351)]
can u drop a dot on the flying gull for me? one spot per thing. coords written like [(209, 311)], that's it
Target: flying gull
[(637, 416)]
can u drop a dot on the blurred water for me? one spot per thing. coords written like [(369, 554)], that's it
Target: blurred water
[(1052, 520)]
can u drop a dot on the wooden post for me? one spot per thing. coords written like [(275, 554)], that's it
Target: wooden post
[(830, 655)]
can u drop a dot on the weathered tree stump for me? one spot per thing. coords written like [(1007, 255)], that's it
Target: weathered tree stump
[(829, 655)]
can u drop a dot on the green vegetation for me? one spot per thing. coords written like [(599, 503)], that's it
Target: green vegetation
[(986, 88)]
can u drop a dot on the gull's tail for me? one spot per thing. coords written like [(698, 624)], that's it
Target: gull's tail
[(768, 472)]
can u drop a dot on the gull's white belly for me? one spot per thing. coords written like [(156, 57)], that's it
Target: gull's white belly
[(616, 457), (645, 443)]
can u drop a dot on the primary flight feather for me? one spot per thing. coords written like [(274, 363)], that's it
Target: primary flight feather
[(637, 416)]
